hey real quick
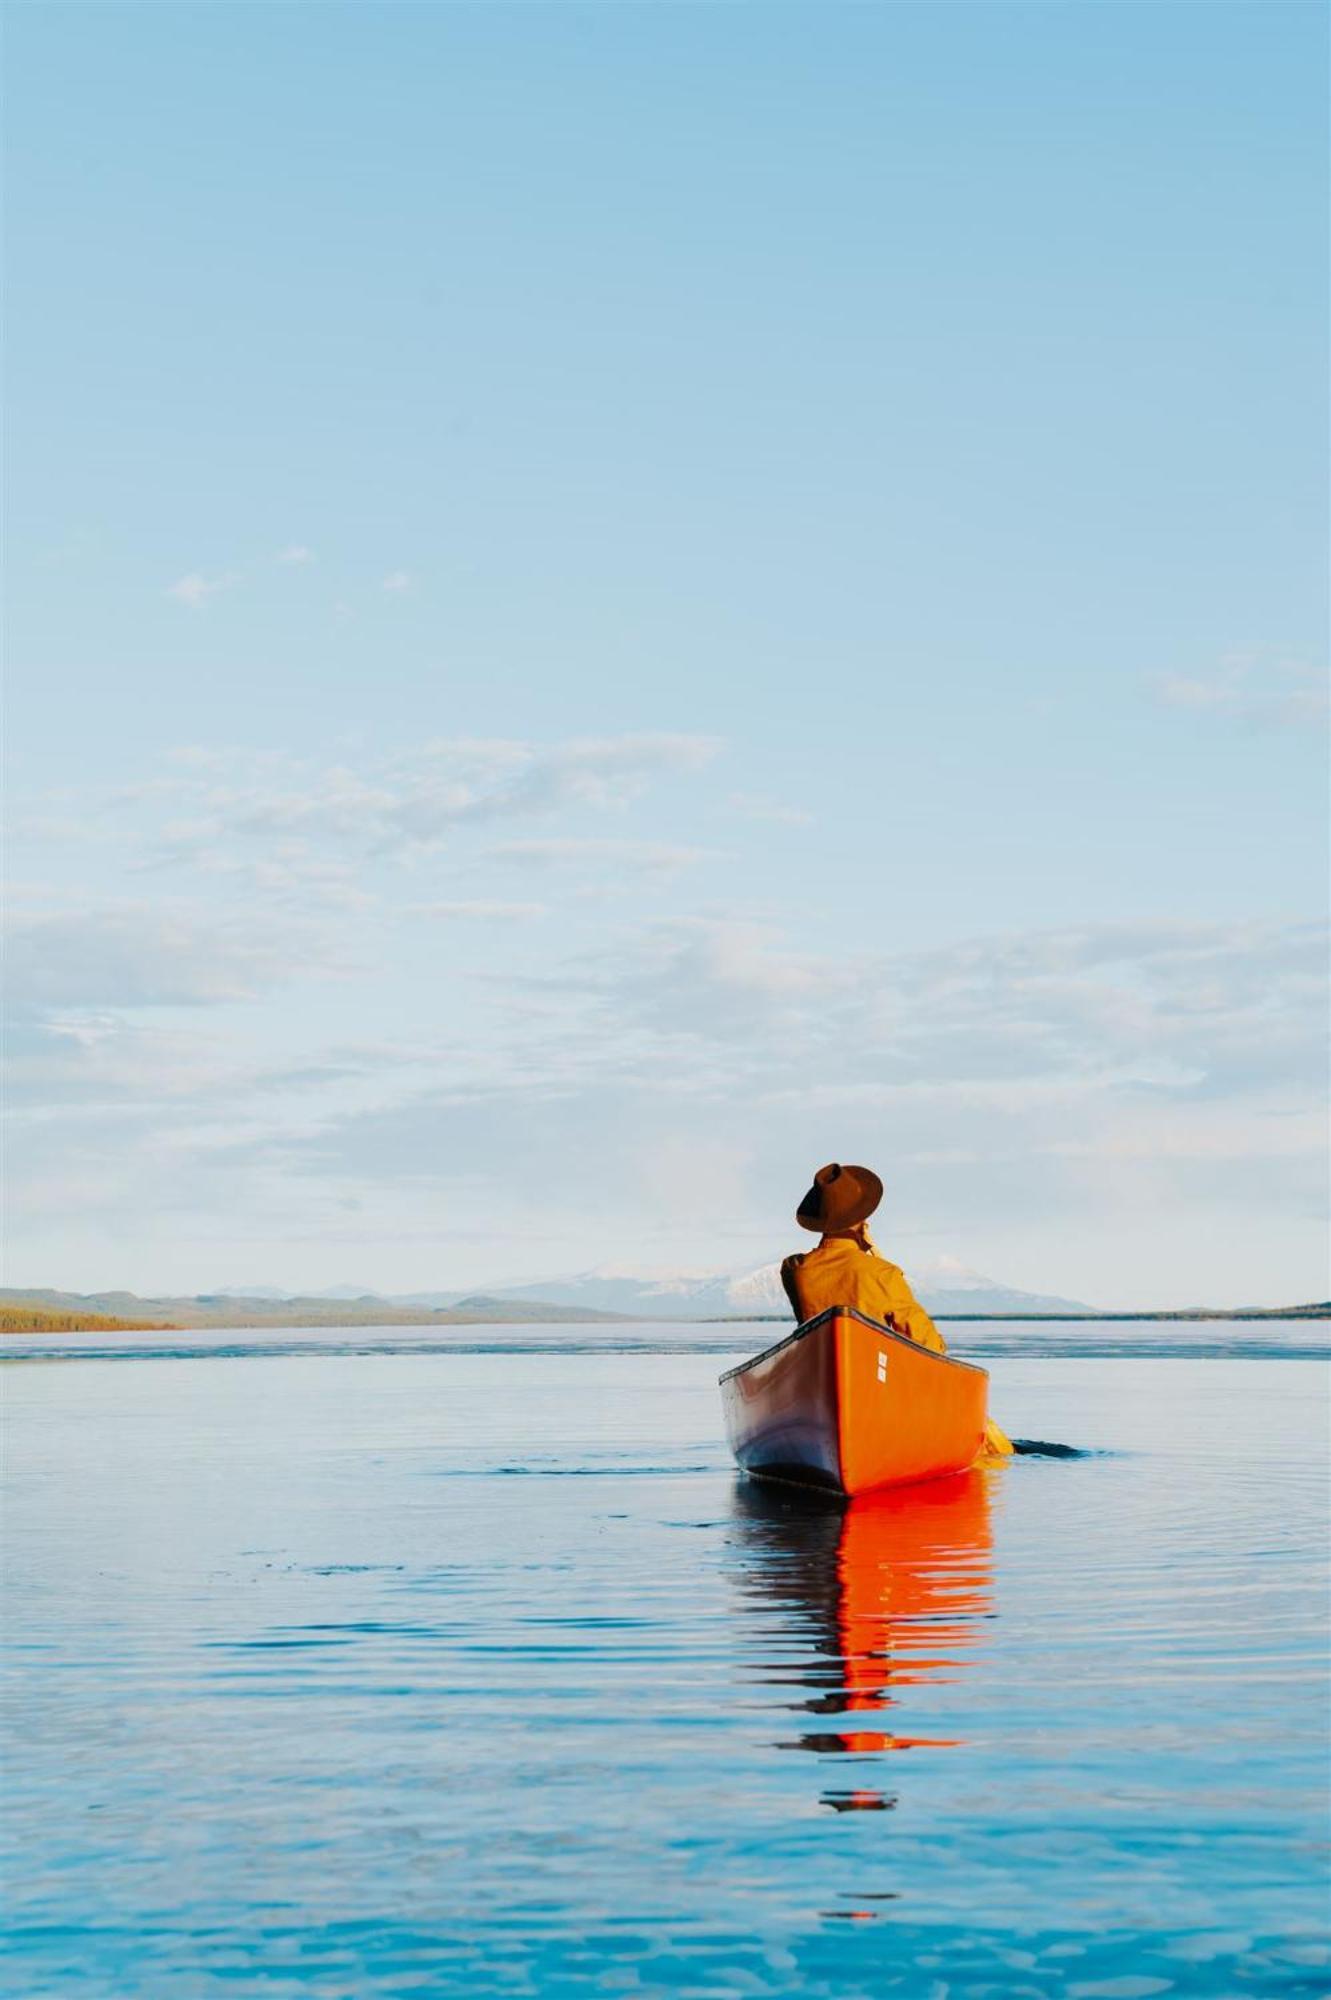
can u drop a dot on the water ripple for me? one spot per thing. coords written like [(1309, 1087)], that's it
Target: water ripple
[(318, 1699)]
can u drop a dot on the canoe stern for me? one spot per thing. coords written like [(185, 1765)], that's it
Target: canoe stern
[(903, 1412), (781, 1409), (846, 1404)]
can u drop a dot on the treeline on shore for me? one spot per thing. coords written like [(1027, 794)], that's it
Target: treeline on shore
[(69, 1312), (34, 1319), (123, 1312)]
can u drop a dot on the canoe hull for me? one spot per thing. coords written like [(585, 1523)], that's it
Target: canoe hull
[(844, 1404)]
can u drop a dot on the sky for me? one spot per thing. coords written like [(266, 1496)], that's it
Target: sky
[(608, 603)]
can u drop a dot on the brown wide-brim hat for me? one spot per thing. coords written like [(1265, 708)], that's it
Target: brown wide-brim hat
[(840, 1198)]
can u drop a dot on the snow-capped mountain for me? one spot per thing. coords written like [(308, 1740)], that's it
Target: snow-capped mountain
[(944, 1285), (644, 1294)]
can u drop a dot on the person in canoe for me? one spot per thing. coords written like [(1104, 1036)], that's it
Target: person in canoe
[(846, 1269)]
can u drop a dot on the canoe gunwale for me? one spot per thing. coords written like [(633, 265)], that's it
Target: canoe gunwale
[(848, 1312)]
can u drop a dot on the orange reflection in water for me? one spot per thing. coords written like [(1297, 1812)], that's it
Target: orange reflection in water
[(914, 1570), (893, 1590)]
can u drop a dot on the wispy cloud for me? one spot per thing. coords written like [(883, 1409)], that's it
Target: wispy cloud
[(1167, 1014), (288, 874), (196, 756), (415, 801), (397, 579), (296, 554), (1015, 1054), (1252, 690), (151, 955), (749, 805), (1107, 1079), (480, 909), (648, 857), (196, 590)]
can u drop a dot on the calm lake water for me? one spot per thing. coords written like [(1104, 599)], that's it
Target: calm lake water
[(367, 1674)]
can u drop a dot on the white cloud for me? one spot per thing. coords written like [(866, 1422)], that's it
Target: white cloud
[(1032, 1095), (288, 874), (724, 980), (295, 553), (1055, 1091), (196, 591), (397, 579), (140, 955), (749, 805), (647, 857), (1177, 1009), (482, 910), (1039, 1080), (1258, 692), (415, 801)]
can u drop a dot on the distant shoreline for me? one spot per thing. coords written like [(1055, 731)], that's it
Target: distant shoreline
[(21, 1317), (1068, 1318)]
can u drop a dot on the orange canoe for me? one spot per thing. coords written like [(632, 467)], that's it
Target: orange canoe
[(845, 1404)]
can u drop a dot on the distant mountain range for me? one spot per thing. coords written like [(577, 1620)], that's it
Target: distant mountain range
[(607, 1293), (272, 1308), (690, 1295)]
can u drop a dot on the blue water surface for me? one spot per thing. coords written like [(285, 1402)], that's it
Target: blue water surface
[(450, 1673)]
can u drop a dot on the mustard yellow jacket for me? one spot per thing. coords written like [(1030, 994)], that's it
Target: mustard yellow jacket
[(847, 1271)]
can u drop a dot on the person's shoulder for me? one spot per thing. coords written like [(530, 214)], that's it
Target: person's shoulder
[(889, 1269)]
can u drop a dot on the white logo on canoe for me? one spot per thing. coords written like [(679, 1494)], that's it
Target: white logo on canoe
[(882, 1364)]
